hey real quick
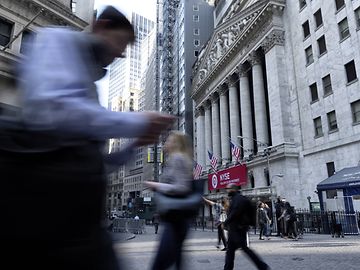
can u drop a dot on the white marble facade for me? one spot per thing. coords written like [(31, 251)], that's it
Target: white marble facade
[(252, 80)]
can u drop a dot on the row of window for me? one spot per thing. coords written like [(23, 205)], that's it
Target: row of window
[(351, 76), (339, 4), (332, 122)]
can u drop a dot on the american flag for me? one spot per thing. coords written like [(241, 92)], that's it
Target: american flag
[(213, 160), (235, 150), (197, 170)]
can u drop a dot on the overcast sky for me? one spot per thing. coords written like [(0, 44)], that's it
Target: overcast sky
[(146, 8)]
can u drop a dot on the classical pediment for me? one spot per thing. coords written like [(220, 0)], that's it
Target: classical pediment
[(226, 37)]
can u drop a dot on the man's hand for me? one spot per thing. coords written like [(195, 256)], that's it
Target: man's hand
[(158, 123), (150, 184)]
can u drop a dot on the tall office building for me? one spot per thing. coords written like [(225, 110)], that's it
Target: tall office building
[(186, 27), (280, 78), (125, 95)]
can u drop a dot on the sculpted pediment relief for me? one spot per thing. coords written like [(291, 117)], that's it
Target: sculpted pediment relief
[(224, 37)]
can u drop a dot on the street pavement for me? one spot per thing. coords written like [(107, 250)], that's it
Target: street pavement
[(311, 252)]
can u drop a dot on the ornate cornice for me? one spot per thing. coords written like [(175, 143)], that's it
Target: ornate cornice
[(223, 89), (276, 37), (254, 58), (199, 111), (242, 70), (56, 12), (215, 96), (232, 80), (251, 31)]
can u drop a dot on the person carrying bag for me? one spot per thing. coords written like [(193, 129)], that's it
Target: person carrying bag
[(178, 198)]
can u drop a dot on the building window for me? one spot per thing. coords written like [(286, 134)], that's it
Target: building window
[(302, 4), (350, 71), (330, 166), (196, 18), (306, 29), (355, 108), (314, 92), (322, 45), (5, 32), (357, 17), (195, 8), (339, 4), (196, 53), (196, 42), (331, 193), (344, 29), (332, 121), (309, 55), (73, 6), (196, 31), (327, 87), (318, 18), (318, 127), (25, 39)]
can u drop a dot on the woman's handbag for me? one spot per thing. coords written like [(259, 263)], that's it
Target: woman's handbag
[(174, 207)]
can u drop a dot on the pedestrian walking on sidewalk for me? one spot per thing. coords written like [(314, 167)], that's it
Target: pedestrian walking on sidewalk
[(263, 220), (176, 180), (221, 209), (52, 159), (238, 222), (156, 221)]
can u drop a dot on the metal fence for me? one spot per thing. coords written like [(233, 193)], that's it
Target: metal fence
[(129, 225), (336, 223)]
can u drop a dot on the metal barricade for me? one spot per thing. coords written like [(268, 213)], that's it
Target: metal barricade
[(136, 226)]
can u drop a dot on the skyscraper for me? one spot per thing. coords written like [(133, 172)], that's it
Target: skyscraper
[(186, 27), (125, 95)]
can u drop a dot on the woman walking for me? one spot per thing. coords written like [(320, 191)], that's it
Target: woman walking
[(220, 216), (176, 180)]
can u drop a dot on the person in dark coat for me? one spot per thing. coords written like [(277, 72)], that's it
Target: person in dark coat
[(156, 221), (238, 229)]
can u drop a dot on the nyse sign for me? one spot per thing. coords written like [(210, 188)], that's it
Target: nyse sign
[(236, 175)]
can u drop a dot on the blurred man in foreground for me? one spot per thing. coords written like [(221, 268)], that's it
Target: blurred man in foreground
[(51, 161)]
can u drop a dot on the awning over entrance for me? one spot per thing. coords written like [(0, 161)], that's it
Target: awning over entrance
[(345, 178)]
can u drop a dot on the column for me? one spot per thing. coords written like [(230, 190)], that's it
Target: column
[(215, 125), (208, 133), (234, 110), (246, 114), (200, 138), (261, 123), (278, 87), (224, 125)]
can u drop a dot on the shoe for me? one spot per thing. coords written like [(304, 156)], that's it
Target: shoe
[(217, 246), (261, 238), (224, 249)]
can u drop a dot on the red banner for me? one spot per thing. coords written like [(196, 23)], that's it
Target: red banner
[(236, 175)]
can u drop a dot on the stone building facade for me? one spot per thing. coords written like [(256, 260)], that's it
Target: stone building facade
[(18, 20), (280, 79)]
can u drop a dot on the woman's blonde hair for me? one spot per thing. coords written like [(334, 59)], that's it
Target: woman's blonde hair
[(182, 143)]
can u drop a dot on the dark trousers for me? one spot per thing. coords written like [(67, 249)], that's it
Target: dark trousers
[(156, 225), (221, 235), (52, 208), (262, 230), (237, 239), (170, 246)]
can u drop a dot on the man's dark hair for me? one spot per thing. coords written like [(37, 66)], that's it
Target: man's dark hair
[(116, 20)]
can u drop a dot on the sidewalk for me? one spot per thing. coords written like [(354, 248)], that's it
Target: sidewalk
[(314, 251)]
